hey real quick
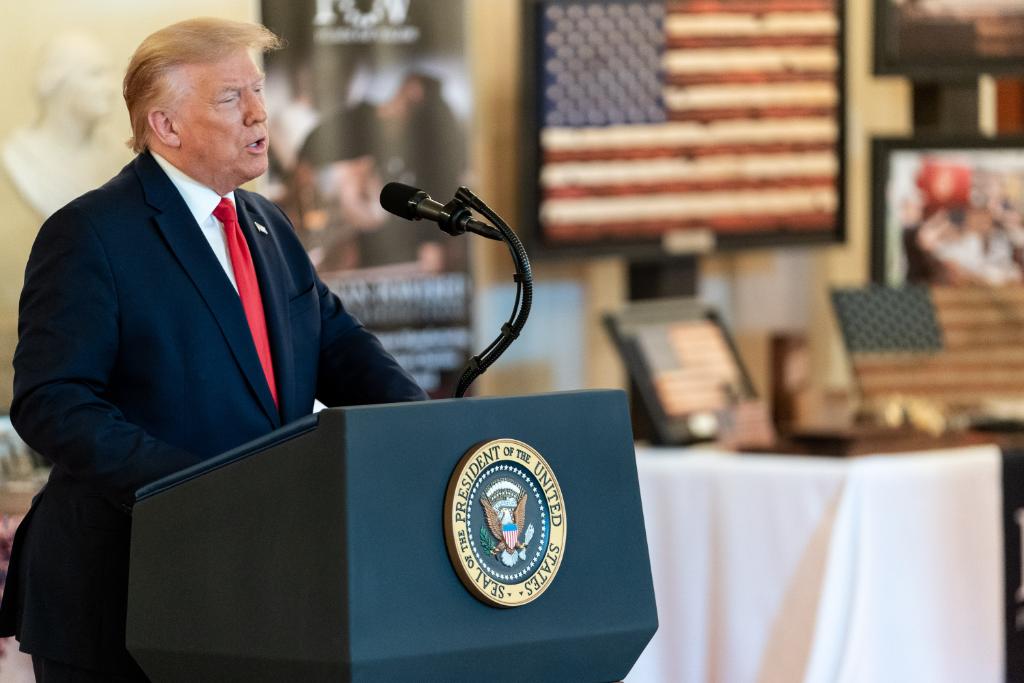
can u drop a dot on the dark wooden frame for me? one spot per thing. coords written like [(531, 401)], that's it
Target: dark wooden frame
[(932, 67)]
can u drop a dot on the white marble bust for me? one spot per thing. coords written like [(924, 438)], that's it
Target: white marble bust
[(64, 153)]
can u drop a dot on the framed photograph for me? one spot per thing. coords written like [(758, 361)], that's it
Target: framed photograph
[(949, 39), (948, 212), (684, 365), (654, 128)]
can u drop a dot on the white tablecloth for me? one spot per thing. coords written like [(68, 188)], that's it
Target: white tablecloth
[(776, 568)]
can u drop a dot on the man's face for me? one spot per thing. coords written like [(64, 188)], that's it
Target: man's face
[(221, 122)]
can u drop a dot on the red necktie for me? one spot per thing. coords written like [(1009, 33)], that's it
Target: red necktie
[(248, 287)]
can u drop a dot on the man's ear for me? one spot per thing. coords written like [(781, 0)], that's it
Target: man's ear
[(164, 128)]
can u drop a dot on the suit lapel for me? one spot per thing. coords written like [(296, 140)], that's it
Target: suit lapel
[(185, 240), (269, 264)]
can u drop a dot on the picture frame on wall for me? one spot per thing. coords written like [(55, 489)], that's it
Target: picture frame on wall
[(945, 40), (948, 211), (655, 128)]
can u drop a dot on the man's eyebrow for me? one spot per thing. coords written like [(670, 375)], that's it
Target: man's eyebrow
[(237, 86), (227, 90)]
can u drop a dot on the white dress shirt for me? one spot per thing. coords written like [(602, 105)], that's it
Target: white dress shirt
[(201, 201)]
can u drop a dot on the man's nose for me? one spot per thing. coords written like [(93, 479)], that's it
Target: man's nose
[(255, 110)]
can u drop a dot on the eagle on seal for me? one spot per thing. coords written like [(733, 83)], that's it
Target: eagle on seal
[(506, 525)]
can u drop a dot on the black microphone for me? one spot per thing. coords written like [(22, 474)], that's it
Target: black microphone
[(413, 204)]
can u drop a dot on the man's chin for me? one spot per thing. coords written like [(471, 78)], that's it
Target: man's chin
[(254, 172)]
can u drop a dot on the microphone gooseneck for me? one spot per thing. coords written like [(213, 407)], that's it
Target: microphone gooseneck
[(523, 278), (455, 218)]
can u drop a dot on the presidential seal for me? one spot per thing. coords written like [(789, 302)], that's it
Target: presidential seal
[(504, 523)]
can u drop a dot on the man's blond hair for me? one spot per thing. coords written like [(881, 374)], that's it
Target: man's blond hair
[(194, 41)]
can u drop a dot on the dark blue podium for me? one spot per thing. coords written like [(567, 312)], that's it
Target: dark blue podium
[(318, 553)]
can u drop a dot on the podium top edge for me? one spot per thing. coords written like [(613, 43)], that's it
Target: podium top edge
[(291, 430), (310, 422), (483, 399)]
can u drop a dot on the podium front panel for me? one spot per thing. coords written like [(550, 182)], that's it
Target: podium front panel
[(406, 596)]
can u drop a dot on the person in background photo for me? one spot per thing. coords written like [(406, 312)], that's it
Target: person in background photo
[(166, 317), (959, 228), (344, 162)]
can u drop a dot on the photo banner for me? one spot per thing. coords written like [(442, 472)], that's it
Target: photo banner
[(368, 92)]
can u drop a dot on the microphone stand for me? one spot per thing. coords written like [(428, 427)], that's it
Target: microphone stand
[(523, 278)]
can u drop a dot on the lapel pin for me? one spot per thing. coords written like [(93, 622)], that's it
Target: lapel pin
[(261, 229)]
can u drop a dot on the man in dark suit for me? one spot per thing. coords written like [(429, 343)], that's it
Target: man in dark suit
[(166, 317)]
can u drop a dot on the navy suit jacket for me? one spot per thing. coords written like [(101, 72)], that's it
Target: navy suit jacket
[(135, 360)]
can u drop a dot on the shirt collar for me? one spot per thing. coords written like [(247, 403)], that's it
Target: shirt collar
[(200, 199)]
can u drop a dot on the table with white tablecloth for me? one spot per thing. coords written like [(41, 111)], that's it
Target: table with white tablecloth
[(792, 568)]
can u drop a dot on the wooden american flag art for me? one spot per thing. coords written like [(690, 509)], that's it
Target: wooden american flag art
[(719, 116), (959, 347), (687, 370), (693, 367)]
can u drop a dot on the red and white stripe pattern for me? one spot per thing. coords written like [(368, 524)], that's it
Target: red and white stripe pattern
[(511, 536), (746, 141)]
